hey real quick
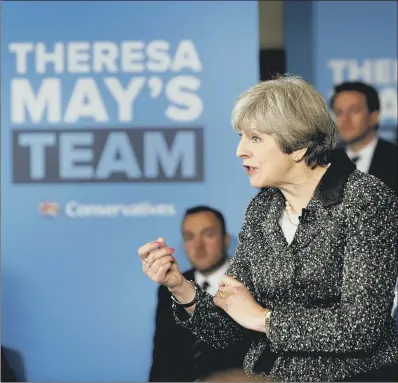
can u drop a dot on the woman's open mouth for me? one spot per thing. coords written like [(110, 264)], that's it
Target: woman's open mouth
[(249, 169)]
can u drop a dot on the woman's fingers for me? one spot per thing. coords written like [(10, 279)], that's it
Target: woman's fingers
[(149, 247), (146, 249), (157, 254), (161, 272), (157, 259), (159, 263)]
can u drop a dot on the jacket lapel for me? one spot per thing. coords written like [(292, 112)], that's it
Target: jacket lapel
[(376, 165), (275, 253), (312, 226), (329, 192), (270, 224)]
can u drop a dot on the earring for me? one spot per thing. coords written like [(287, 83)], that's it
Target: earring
[(295, 158)]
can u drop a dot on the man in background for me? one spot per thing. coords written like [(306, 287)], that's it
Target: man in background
[(356, 107), (178, 355), (357, 111), (7, 373)]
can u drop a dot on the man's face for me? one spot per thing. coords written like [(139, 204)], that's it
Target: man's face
[(353, 118), (204, 242)]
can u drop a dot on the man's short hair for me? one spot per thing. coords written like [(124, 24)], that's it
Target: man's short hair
[(203, 208), (370, 93)]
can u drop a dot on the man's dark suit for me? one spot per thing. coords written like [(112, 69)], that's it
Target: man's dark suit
[(173, 348), (384, 163), (7, 373)]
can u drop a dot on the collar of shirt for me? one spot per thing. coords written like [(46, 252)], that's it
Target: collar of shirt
[(212, 278), (365, 155)]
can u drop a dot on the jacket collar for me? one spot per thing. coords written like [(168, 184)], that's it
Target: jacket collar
[(330, 190)]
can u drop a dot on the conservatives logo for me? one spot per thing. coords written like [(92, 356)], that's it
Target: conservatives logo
[(76, 209), (49, 208)]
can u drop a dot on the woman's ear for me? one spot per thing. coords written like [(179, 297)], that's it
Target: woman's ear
[(298, 155)]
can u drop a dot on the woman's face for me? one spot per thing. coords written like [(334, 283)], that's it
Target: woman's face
[(265, 164)]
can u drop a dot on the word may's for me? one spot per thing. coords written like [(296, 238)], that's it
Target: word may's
[(156, 56), (87, 99)]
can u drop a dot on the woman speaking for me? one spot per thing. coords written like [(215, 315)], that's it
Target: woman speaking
[(311, 285)]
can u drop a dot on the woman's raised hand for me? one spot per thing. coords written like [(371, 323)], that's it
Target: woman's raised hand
[(159, 264)]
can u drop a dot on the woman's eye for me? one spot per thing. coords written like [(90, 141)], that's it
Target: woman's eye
[(256, 139)]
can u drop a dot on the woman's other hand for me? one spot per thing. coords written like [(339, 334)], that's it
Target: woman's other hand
[(237, 301)]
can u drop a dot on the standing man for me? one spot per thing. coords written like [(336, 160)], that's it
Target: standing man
[(357, 110), (178, 355)]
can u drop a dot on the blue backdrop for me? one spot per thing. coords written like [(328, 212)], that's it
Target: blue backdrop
[(115, 119), (329, 42)]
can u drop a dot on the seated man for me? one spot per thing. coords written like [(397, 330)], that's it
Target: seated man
[(177, 354)]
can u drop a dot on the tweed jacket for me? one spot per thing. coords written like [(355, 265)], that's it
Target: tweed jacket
[(330, 291)]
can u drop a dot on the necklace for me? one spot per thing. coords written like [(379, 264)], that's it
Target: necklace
[(289, 209)]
